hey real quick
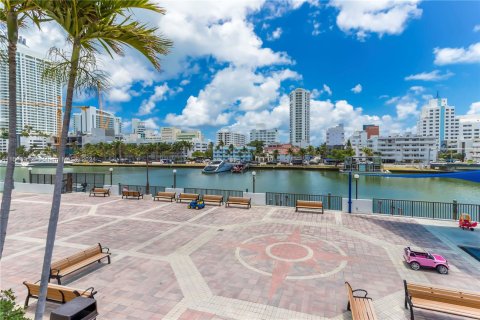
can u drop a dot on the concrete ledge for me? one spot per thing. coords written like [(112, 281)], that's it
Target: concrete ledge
[(358, 205), (34, 188), (258, 199), (176, 190)]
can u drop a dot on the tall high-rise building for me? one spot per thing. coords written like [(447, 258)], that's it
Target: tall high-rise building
[(438, 120), (37, 99), (371, 130), (268, 136), (91, 117), (336, 136), (300, 117), (138, 127), (230, 137)]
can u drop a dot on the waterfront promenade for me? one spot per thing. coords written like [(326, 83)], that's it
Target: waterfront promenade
[(170, 262)]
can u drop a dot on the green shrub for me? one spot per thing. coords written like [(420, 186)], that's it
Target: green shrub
[(8, 308)]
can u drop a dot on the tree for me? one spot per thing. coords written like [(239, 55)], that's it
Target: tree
[(275, 154), (209, 152), (258, 145), (323, 151), (198, 154), (367, 152), (90, 25), (14, 14), (311, 151), (302, 152), (291, 153)]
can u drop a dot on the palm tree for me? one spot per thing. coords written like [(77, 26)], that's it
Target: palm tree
[(290, 152), (302, 152), (14, 14), (275, 154), (91, 25), (367, 151)]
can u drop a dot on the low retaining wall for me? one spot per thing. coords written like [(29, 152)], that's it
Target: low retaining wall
[(33, 188), (358, 205)]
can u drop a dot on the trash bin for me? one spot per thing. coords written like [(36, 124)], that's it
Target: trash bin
[(79, 308)]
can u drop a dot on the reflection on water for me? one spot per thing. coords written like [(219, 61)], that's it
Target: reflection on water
[(293, 181)]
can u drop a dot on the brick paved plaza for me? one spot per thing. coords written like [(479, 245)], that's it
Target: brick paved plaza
[(170, 262)]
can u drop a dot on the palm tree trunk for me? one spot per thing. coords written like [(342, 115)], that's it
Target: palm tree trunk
[(57, 192), (12, 25)]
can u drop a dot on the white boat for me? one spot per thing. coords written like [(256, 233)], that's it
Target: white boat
[(217, 166), (44, 162)]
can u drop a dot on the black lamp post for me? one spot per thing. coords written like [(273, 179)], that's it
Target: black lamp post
[(147, 187), (356, 176), (253, 177), (174, 178), (111, 176)]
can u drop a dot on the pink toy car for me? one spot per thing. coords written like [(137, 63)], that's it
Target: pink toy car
[(418, 258)]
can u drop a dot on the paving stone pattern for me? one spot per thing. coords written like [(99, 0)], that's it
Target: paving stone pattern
[(170, 262)]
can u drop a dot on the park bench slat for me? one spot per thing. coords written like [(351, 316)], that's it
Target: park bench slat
[(165, 195), (304, 204), (212, 198), (79, 260), (361, 307), (56, 293), (188, 197), (450, 301), (239, 201)]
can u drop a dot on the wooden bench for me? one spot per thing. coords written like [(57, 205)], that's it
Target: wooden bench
[(104, 192), (56, 293), (75, 262), (165, 195), (239, 201), (451, 301), (361, 307), (187, 197), (132, 194), (304, 204), (212, 198)]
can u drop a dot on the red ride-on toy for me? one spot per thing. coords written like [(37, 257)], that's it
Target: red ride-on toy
[(466, 222)]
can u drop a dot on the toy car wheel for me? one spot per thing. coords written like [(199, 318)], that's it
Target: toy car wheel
[(415, 266), (472, 229), (189, 207), (197, 208), (442, 269)]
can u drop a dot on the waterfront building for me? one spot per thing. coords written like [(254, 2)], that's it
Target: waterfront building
[(36, 142), (371, 130), (169, 134), (91, 117), (406, 148), (138, 127), (283, 154), (229, 137), (198, 145), (267, 136), (189, 135), (237, 154), (438, 120), (151, 136), (336, 136), (38, 100), (300, 117), (97, 135), (359, 141)]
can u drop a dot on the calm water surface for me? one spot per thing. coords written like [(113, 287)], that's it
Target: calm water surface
[(292, 181)]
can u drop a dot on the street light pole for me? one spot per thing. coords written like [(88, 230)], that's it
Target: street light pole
[(111, 176), (350, 192), (147, 187), (356, 176), (174, 178), (253, 176)]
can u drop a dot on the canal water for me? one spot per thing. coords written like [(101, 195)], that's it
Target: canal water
[(290, 181)]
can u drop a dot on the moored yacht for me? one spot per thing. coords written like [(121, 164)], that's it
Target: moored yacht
[(44, 162), (217, 166)]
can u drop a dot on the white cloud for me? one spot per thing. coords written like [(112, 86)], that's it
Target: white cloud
[(381, 17), (160, 93), (476, 28), (276, 34), (316, 28), (444, 56), (184, 82), (474, 108), (233, 89), (151, 123), (406, 108), (357, 89), (315, 93), (434, 75), (219, 29), (417, 89)]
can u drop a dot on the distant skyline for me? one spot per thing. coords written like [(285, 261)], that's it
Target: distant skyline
[(234, 63)]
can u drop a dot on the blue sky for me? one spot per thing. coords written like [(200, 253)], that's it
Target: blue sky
[(233, 64)]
